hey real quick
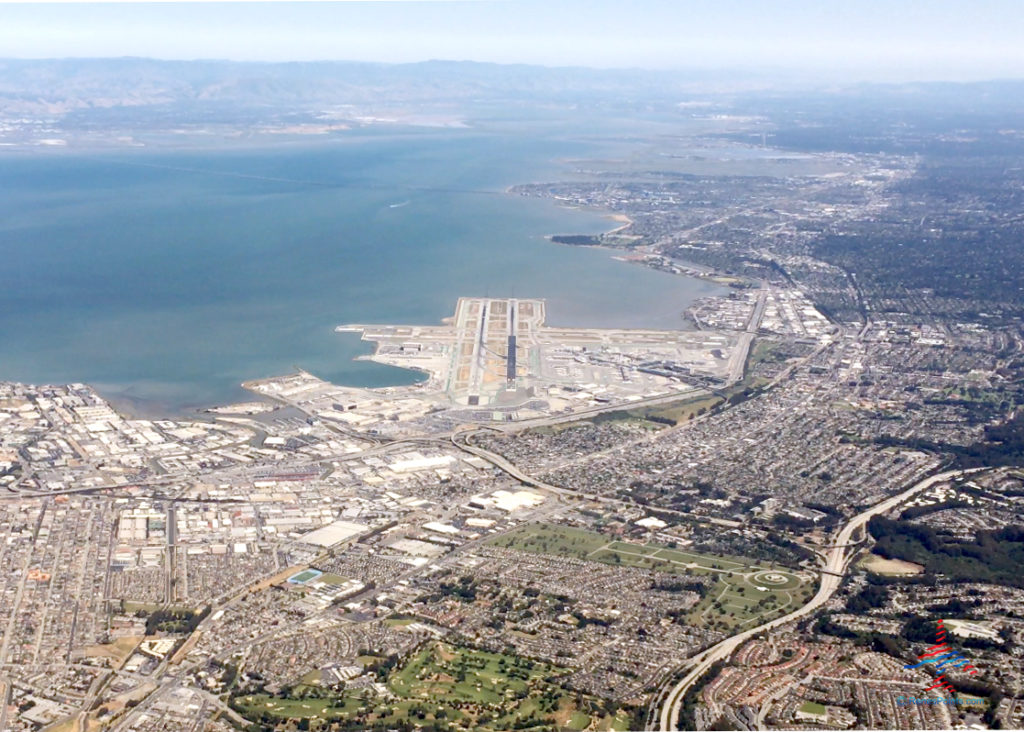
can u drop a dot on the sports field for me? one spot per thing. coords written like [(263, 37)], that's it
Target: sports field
[(304, 576)]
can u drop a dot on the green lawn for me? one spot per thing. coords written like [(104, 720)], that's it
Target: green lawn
[(400, 620), (620, 723), (579, 721), (812, 708), (661, 415), (465, 675), (733, 602), (571, 542), (298, 708), (551, 539), (495, 692), (683, 411), (331, 579)]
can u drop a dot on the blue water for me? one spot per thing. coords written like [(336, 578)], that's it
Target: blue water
[(165, 279)]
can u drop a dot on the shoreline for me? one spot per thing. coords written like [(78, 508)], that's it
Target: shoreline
[(140, 407), (651, 260), (621, 218)]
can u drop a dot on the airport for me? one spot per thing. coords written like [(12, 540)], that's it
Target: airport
[(499, 353)]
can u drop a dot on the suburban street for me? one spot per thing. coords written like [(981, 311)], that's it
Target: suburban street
[(838, 559)]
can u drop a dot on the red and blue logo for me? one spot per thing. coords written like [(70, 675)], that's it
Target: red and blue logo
[(942, 656)]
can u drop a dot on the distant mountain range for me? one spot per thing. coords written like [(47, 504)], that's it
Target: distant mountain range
[(123, 97), (62, 85)]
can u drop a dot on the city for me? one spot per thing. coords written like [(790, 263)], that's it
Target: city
[(525, 392)]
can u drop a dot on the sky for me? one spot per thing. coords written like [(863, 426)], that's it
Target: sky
[(852, 39)]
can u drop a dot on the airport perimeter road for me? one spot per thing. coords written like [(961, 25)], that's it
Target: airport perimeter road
[(837, 561)]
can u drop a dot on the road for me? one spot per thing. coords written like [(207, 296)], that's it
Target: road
[(168, 675), (381, 444), (526, 479), (738, 361), (836, 564)]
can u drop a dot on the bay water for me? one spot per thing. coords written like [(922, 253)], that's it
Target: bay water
[(166, 278)]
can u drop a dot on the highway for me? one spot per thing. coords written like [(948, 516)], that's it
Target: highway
[(738, 361), (836, 564), (836, 556), (503, 464)]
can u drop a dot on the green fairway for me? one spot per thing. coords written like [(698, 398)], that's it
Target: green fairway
[(286, 708), (578, 721), (462, 687), (464, 675), (620, 723)]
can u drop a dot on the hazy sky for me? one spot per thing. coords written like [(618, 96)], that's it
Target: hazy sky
[(875, 39)]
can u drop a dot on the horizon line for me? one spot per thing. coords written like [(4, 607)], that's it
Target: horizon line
[(793, 72)]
